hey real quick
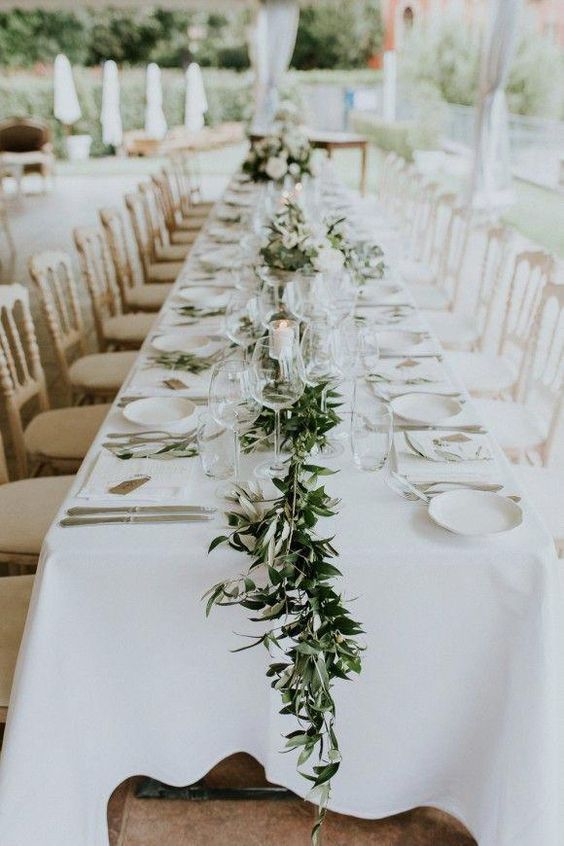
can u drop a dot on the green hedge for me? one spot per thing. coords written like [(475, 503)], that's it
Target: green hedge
[(229, 98), (392, 137)]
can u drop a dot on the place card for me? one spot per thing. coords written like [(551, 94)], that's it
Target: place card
[(175, 384), (129, 485)]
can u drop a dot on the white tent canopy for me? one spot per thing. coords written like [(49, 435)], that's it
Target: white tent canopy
[(155, 121), (110, 115), (271, 46), (196, 104), (66, 107), (491, 173)]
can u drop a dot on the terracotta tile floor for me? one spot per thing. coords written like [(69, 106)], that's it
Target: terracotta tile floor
[(147, 822)]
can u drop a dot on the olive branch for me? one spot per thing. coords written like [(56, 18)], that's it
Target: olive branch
[(289, 584)]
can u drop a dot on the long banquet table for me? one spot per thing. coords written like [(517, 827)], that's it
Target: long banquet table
[(120, 673)]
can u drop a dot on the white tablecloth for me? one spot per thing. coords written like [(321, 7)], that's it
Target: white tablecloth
[(458, 704)]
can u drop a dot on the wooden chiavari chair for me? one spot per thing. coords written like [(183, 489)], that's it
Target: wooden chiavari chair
[(175, 234), (527, 426), (28, 507), (186, 168), (15, 594), (146, 244), (177, 220), (472, 271), (114, 329), (163, 248), (513, 309), (87, 376), (136, 294), (55, 439)]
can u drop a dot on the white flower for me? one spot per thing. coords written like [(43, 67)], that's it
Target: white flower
[(290, 240), (329, 260), (294, 169), (276, 167)]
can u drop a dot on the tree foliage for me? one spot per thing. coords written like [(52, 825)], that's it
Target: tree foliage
[(341, 34)]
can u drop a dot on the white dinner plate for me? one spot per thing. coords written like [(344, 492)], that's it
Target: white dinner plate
[(427, 409), (399, 340), (183, 342), (162, 412), (475, 513), (203, 297)]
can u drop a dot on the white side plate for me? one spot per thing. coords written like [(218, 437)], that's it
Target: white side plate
[(426, 409), (163, 412), (475, 513)]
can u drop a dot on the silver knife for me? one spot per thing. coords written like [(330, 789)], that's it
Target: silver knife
[(417, 427), (133, 519), (77, 511)]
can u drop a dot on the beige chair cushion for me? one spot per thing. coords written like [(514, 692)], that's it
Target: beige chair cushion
[(190, 224), (183, 236), (28, 508), (513, 425), (65, 433), (173, 253), (454, 331), (148, 297), (128, 328), (483, 373), (101, 371), (15, 593), (165, 272), (544, 486)]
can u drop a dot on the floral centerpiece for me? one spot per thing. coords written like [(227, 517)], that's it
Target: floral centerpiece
[(363, 258), (294, 245), (284, 152)]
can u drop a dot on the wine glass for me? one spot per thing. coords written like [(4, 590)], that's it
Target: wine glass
[(320, 368), (303, 296), (278, 382), (233, 404), (242, 321), (339, 296)]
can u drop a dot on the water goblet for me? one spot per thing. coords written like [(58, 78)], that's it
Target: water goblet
[(278, 382)]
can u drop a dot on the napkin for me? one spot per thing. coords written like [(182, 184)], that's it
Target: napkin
[(170, 480), (449, 446), (150, 383), (221, 258), (418, 469), (413, 375)]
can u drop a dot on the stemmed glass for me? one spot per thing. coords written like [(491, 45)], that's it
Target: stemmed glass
[(339, 296), (278, 382), (233, 404), (242, 320), (320, 368)]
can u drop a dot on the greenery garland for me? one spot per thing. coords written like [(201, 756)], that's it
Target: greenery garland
[(289, 584)]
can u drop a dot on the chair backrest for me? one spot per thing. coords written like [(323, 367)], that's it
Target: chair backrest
[(542, 386), (154, 216), (170, 205), (531, 271), (98, 272), (21, 374), (53, 275), (387, 173), (141, 230), (23, 135), (186, 166), (125, 265), (3, 465), (484, 258)]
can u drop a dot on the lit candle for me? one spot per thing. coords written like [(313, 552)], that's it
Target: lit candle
[(281, 337)]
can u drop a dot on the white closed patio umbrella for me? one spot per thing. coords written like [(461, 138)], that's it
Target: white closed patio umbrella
[(490, 186), (66, 107), (110, 115), (196, 104), (155, 121)]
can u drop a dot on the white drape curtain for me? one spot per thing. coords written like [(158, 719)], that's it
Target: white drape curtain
[(272, 44), (66, 107), (110, 115), (155, 121), (196, 103), (491, 173)]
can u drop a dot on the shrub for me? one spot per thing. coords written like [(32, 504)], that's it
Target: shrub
[(391, 137)]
